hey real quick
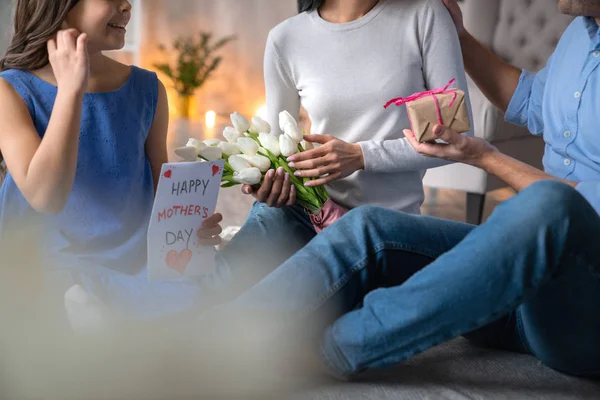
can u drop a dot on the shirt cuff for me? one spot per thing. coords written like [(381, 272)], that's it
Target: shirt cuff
[(369, 150), (591, 191), (516, 112)]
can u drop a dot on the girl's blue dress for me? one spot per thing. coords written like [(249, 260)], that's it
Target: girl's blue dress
[(99, 239)]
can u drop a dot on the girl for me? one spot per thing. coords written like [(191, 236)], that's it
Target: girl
[(341, 60), (83, 138)]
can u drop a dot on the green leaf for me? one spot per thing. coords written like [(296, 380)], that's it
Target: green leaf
[(195, 61)]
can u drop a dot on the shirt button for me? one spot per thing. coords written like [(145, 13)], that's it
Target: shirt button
[(567, 162), (596, 54), (567, 134), (577, 95)]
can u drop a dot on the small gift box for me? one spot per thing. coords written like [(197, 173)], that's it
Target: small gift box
[(443, 106)]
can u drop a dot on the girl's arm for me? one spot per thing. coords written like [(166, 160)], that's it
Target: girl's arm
[(156, 144), (44, 169), (442, 61)]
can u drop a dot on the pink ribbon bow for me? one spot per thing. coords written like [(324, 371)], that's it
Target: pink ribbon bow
[(403, 100)]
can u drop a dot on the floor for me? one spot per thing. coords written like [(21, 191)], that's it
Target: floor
[(448, 204)]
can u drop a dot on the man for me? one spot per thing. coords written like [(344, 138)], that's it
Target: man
[(527, 280)]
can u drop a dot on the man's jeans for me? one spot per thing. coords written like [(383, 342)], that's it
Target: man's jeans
[(527, 279)]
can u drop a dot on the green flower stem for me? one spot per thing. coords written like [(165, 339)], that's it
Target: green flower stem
[(308, 197), (228, 166), (322, 192)]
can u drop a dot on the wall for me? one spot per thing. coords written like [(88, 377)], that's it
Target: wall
[(6, 14), (238, 84)]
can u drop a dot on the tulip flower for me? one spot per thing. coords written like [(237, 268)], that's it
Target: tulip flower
[(212, 142), (211, 153), (286, 118), (250, 151), (258, 161), (229, 149), (293, 132), (259, 125), (307, 145), (287, 146), (248, 176), (197, 144), (270, 143), (248, 146), (240, 123), (187, 153), (238, 163), (231, 135)]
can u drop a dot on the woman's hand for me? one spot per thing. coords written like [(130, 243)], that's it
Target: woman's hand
[(208, 233), (68, 56), (276, 190), (464, 149), (456, 14), (333, 160)]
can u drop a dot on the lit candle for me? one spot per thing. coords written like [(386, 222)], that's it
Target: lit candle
[(210, 120)]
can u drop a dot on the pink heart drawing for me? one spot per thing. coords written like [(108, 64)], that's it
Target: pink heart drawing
[(179, 261), (168, 174), (215, 170)]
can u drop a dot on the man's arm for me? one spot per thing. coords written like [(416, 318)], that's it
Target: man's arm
[(515, 173), (479, 153), (497, 79)]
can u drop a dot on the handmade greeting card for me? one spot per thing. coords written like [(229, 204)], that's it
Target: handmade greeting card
[(187, 195)]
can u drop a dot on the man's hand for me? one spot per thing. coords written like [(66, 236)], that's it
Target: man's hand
[(208, 233), (465, 149), (334, 160), (456, 14), (481, 154)]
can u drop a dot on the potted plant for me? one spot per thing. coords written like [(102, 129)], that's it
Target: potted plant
[(196, 61)]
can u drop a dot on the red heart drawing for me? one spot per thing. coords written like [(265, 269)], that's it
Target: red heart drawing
[(168, 174), (215, 170), (179, 261)]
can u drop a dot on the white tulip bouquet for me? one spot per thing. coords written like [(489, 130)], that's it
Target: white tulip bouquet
[(250, 150)]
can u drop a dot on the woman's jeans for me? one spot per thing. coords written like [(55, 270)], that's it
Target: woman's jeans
[(268, 238), (527, 279)]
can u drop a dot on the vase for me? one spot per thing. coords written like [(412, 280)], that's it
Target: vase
[(183, 106)]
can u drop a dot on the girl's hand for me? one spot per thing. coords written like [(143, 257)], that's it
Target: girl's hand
[(68, 56), (335, 158), (208, 233), (276, 190)]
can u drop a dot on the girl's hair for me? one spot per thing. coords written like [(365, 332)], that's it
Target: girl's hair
[(36, 21), (308, 5)]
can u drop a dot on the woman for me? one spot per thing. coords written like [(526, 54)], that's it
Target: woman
[(342, 60)]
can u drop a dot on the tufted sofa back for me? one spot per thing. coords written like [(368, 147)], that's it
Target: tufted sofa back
[(523, 32)]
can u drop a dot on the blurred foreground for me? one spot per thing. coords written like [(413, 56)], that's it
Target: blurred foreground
[(42, 358)]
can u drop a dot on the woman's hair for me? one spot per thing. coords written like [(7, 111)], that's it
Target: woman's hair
[(36, 21), (309, 5)]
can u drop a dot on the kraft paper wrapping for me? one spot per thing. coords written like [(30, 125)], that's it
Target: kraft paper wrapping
[(423, 114)]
